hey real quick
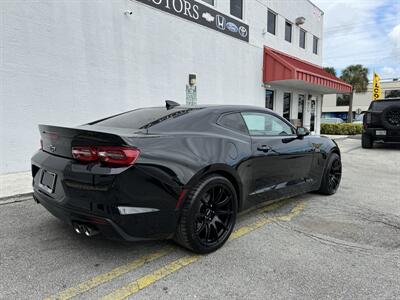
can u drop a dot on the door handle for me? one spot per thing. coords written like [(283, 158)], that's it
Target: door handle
[(264, 148)]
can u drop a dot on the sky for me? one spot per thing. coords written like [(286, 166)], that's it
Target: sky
[(363, 32)]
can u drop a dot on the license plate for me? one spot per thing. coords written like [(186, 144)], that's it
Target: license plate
[(380, 132), (47, 181)]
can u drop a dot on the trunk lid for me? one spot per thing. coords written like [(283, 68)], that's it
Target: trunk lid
[(60, 140)]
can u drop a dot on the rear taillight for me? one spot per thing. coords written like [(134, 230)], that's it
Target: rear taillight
[(118, 155), (84, 153), (108, 155)]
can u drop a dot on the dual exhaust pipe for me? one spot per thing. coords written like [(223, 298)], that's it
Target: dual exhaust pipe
[(85, 229)]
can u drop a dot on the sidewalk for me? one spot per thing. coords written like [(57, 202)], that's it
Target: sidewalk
[(15, 185)]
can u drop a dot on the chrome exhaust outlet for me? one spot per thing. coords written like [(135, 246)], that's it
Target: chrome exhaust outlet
[(85, 229), (77, 228), (88, 231)]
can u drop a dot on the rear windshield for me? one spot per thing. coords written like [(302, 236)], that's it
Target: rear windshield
[(143, 118), (382, 104)]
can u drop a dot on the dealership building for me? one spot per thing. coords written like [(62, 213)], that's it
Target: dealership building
[(70, 62)]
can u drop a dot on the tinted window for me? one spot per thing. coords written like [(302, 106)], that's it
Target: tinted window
[(271, 22), (211, 2), (392, 94), (342, 99), (300, 107), (266, 124), (302, 42), (315, 45), (233, 121), (237, 8), (143, 118), (269, 99), (382, 104), (286, 105), (288, 31)]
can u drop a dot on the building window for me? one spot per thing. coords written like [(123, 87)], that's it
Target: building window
[(288, 31), (237, 8), (211, 2), (269, 99), (302, 42), (286, 105), (300, 108), (271, 22), (342, 99), (392, 94), (315, 45)]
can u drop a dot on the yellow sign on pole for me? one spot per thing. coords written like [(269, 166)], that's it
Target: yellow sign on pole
[(376, 87)]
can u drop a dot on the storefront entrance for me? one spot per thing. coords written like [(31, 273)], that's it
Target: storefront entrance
[(298, 88)]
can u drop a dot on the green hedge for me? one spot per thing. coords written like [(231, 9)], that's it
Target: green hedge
[(341, 129)]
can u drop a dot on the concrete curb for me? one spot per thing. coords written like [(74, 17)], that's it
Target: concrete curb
[(16, 198), (340, 138)]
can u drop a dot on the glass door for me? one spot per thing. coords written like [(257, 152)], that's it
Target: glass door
[(300, 109), (312, 120), (286, 105), (269, 99)]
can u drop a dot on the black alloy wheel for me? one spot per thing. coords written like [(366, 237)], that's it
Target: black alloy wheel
[(335, 174), (332, 175), (208, 215), (214, 218)]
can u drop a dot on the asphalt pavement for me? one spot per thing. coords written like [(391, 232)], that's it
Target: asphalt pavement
[(345, 246)]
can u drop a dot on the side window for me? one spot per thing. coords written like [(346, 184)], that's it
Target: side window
[(233, 121), (266, 124)]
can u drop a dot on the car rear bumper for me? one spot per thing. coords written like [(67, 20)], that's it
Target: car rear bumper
[(129, 205), (391, 136)]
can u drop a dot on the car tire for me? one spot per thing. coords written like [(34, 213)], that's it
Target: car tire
[(208, 215), (332, 175), (366, 141)]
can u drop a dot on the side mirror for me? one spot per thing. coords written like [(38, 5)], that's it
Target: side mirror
[(302, 132)]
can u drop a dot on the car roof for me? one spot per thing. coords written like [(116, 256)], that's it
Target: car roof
[(221, 107), (386, 100)]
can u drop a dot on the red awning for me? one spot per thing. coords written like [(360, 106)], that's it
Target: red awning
[(283, 69)]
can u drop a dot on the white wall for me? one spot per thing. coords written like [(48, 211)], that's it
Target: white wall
[(70, 62)]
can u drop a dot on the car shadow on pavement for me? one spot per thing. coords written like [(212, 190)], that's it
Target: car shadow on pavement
[(99, 242), (392, 146)]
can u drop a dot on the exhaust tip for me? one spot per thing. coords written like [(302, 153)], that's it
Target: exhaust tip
[(77, 229), (87, 231)]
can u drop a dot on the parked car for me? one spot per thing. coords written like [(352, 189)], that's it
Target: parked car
[(358, 119), (177, 172), (331, 121), (381, 122)]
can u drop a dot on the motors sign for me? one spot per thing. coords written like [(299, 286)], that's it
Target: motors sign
[(199, 13)]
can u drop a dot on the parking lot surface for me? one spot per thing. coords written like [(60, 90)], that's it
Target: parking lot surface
[(309, 247)]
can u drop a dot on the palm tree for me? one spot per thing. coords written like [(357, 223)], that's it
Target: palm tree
[(357, 76), (330, 70)]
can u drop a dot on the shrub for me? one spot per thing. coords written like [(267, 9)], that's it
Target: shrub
[(341, 129)]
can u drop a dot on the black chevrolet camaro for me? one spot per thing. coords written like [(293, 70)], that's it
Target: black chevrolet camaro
[(177, 172)]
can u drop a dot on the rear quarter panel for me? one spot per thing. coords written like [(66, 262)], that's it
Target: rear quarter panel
[(180, 159)]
